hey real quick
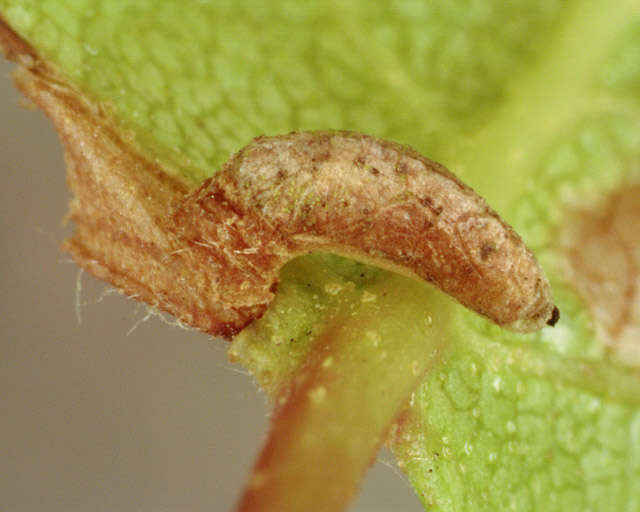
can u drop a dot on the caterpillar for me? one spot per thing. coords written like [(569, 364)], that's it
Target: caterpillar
[(369, 199)]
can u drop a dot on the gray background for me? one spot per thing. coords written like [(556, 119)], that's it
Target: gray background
[(100, 410)]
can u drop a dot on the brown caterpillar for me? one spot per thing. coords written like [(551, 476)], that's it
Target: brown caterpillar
[(366, 198)]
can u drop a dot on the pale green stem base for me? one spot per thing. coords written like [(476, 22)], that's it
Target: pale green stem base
[(330, 422)]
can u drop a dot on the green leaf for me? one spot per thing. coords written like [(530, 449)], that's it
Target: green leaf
[(536, 104)]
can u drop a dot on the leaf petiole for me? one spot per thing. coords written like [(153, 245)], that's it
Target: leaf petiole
[(333, 416)]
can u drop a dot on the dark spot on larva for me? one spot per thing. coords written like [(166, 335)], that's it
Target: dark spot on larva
[(466, 269), (282, 174), (217, 198), (487, 249), (374, 171), (359, 162), (428, 203), (402, 168), (555, 316), (306, 209)]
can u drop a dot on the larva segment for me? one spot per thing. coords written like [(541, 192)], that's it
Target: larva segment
[(369, 199)]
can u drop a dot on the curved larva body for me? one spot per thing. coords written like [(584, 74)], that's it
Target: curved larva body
[(370, 199)]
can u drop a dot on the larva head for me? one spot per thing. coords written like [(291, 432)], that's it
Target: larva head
[(512, 286)]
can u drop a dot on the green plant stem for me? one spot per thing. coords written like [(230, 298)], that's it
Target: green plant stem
[(339, 407)]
